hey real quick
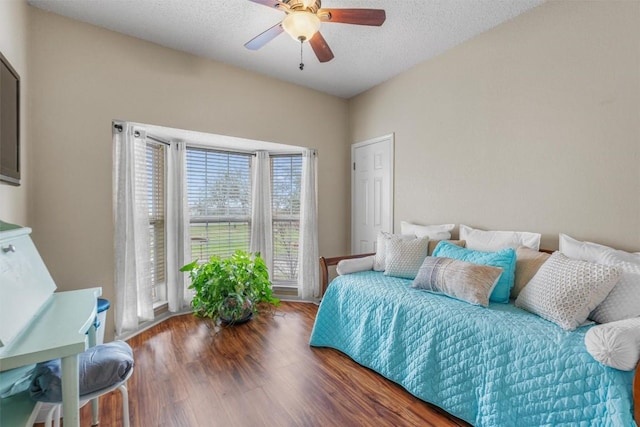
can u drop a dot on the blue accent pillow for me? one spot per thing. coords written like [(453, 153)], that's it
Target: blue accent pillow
[(505, 259)]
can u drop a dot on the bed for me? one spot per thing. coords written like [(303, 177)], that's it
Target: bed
[(495, 366)]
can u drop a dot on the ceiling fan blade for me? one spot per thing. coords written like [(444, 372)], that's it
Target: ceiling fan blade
[(276, 4), (261, 39), (375, 17), (321, 48)]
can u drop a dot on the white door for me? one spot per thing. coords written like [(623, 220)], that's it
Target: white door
[(371, 192)]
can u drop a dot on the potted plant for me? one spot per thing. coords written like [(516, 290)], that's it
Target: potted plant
[(231, 289)]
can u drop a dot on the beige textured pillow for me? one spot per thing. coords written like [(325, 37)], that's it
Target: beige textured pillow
[(434, 243), (565, 291), (461, 280), (528, 262), (380, 260), (623, 302), (404, 257)]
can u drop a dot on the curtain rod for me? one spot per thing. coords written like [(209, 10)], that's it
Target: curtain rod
[(159, 140), (119, 128), (225, 150), (239, 151), (234, 151)]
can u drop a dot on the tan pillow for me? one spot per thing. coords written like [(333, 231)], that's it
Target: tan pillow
[(434, 243), (461, 280), (528, 262)]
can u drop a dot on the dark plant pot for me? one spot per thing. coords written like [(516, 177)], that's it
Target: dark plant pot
[(237, 321)]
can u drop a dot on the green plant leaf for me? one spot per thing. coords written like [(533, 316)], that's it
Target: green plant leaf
[(189, 266), (229, 287)]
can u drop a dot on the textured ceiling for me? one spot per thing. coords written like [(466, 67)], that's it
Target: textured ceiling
[(415, 30)]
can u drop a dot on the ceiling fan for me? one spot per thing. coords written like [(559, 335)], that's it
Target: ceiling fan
[(303, 22)]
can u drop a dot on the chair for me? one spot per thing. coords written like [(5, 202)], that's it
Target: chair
[(53, 415)]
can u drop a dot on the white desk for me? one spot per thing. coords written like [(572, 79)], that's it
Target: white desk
[(58, 331)]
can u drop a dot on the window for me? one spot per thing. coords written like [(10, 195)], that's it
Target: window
[(160, 180), (286, 172), (219, 198), (155, 197)]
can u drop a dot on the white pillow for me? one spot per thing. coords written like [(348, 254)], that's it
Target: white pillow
[(586, 251), (379, 263), (616, 344), (404, 257), (623, 302), (354, 265), (489, 241), (433, 232), (566, 290)]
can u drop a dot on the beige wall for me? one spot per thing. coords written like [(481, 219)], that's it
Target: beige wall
[(534, 125), (84, 76), (14, 37)]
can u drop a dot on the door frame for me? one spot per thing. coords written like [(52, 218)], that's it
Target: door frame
[(391, 138)]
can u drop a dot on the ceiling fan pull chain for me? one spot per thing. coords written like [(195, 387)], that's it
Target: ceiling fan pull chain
[(301, 63)]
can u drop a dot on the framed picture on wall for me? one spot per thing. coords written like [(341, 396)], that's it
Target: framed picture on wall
[(9, 123)]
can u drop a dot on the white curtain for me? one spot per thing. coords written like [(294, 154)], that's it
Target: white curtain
[(132, 256), (261, 224), (308, 254), (178, 239)]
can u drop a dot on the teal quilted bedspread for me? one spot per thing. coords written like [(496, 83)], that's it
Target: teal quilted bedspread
[(496, 366)]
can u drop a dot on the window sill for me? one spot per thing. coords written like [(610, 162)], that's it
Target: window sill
[(160, 307), (285, 292)]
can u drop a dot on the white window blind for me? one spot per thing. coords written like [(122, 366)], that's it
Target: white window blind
[(219, 197), (286, 172), (155, 199)]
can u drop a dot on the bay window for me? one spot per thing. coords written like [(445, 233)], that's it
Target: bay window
[(175, 202)]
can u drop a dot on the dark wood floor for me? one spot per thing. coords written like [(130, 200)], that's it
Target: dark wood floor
[(263, 373)]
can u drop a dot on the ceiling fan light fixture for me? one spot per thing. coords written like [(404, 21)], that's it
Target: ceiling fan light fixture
[(301, 25)]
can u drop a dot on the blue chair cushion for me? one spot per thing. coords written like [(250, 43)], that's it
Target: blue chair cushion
[(99, 367)]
